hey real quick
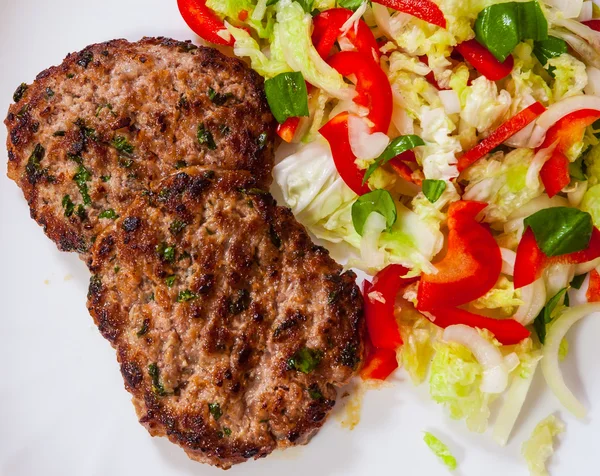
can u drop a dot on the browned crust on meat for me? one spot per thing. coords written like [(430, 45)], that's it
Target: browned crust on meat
[(262, 291), (154, 93)]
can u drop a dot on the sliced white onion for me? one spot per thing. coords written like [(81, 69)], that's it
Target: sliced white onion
[(383, 18), (450, 101), (569, 8), (224, 33), (495, 373), (534, 299), (512, 361), (508, 261), (369, 244), (532, 178), (365, 145), (511, 408), (402, 120), (550, 366), (586, 12), (558, 276), (575, 196), (537, 204), (566, 106), (583, 268), (586, 48), (353, 21), (593, 85)]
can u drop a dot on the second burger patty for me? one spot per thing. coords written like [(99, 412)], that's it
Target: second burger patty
[(233, 330), (90, 134)]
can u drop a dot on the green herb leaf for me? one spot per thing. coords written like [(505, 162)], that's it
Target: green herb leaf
[(227, 431), (34, 169), (271, 2), (186, 295), (177, 227), (110, 213), (503, 26), (68, 205), (20, 92), (545, 316), (433, 189), (396, 147), (305, 360), (218, 98), (157, 386), (287, 95), (215, 410), (440, 450), (144, 329), (578, 281), (561, 230), (315, 392), (82, 176), (105, 178), (122, 144), (379, 201), (350, 4), (170, 280), (166, 252), (205, 137)]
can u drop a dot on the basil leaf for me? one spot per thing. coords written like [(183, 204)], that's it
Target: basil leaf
[(396, 147), (577, 170), (552, 47), (350, 4), (561, 230), (433, 189), (287, 96), (378, 201), (578, 281), (503, 26), (545, 316)]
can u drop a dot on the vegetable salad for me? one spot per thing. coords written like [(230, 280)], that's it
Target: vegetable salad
[(454, 147)]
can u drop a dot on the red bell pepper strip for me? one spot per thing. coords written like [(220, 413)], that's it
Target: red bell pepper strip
[(373, 88), (506, 130), (507, 331), (404, 170), (336, 133), (531, 260), (593, 291), (287, 130), (374, 92), (471, 266), (593, 24), (203, 21), (380, 299), (379, 364), (483, 61), (424, 9), (565, 133), (327, 29)]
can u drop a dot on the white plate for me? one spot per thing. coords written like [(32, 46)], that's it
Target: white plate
[(63, 408)]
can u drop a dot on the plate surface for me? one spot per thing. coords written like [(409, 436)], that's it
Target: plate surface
[(63, 408)]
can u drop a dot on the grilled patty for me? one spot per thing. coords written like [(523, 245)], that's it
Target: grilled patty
[(231, 327), (117, 116)]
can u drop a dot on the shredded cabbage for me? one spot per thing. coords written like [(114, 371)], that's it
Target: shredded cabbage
[(500, 181), (418, 335), (570, 76), (440, 450), (485, 108), (539, 447), (591, 203), (502, 296), (455, 381)]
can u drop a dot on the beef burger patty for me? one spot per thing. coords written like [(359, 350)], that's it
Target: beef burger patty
[(117, 116), (231, 327)]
